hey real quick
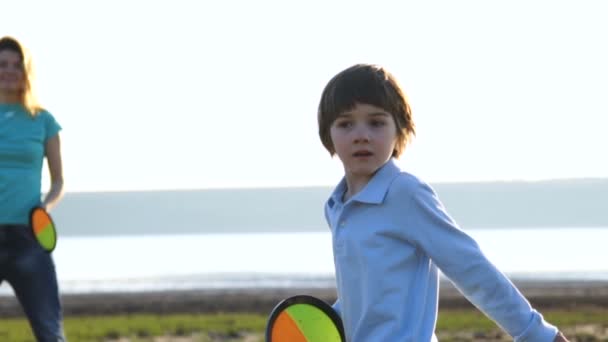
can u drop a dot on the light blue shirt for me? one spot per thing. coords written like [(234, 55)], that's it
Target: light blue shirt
[(22, 149), (389, 241)]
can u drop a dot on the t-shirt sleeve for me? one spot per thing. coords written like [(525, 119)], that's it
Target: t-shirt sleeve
[(460, 258), (51, 126)]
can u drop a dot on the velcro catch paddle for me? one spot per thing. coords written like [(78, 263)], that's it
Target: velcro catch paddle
[(43, 228), (304, 319)]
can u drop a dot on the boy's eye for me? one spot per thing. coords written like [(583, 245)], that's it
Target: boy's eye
[(377, 123), (344, 124)]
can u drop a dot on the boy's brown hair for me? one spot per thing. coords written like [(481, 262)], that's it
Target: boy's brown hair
[(365, 84)]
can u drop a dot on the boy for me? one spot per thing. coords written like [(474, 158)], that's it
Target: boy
[(391, 234)]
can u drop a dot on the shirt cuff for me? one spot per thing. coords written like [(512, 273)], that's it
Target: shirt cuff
[(538, 330)]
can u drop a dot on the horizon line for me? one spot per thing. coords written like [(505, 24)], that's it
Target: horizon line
[(279, 187)]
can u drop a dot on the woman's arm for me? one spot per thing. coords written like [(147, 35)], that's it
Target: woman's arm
[(53, 157)]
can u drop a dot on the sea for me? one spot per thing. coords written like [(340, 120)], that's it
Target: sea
[(277, 238)]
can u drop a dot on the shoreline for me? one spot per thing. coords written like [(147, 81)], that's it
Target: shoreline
[(567, 295)]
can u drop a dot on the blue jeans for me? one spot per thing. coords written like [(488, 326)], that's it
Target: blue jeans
[(31, 273)]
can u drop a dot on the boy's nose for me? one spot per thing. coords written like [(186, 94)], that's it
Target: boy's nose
[(361, 134)]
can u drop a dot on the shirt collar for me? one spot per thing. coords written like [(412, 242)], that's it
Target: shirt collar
[(374, 191)]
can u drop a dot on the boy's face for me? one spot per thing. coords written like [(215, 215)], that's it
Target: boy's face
[(364, 139)]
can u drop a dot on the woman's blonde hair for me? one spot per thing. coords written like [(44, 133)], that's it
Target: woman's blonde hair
[(28, 96)]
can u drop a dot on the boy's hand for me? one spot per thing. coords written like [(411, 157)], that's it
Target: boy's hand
[(560, 338)]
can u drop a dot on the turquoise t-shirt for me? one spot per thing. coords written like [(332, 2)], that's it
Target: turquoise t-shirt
[(22, 144)]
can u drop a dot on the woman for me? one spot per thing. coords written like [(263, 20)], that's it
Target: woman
[(28, 134)]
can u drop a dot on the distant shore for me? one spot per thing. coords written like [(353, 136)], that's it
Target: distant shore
[(563, 203), (542, 294)]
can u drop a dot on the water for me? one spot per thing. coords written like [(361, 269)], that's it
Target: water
[(565, 203), (212, 261)]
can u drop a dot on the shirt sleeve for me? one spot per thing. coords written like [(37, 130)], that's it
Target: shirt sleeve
[(51, 127), (460, 258)]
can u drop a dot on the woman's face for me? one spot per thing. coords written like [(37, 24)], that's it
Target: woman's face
[(12, 75)]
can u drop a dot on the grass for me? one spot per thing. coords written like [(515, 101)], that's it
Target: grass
[(450, 320), (453, 325), (141, 327), (584, 324)]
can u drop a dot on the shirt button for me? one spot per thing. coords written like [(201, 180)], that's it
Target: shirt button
[(342, 223)]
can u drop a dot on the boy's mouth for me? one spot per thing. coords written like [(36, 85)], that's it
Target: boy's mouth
[(362, 153)]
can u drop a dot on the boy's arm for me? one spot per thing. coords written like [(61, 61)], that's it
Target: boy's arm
[(459, 257)]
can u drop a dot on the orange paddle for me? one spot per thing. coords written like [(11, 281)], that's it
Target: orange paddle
[(304, 319), (43, 228)]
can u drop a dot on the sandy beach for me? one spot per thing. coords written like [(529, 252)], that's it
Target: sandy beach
[(542, 294)]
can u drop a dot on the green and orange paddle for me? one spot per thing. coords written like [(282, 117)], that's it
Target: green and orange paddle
[(304, 319), (43, 228)]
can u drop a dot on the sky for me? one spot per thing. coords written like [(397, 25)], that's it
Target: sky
[(214, 94)]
